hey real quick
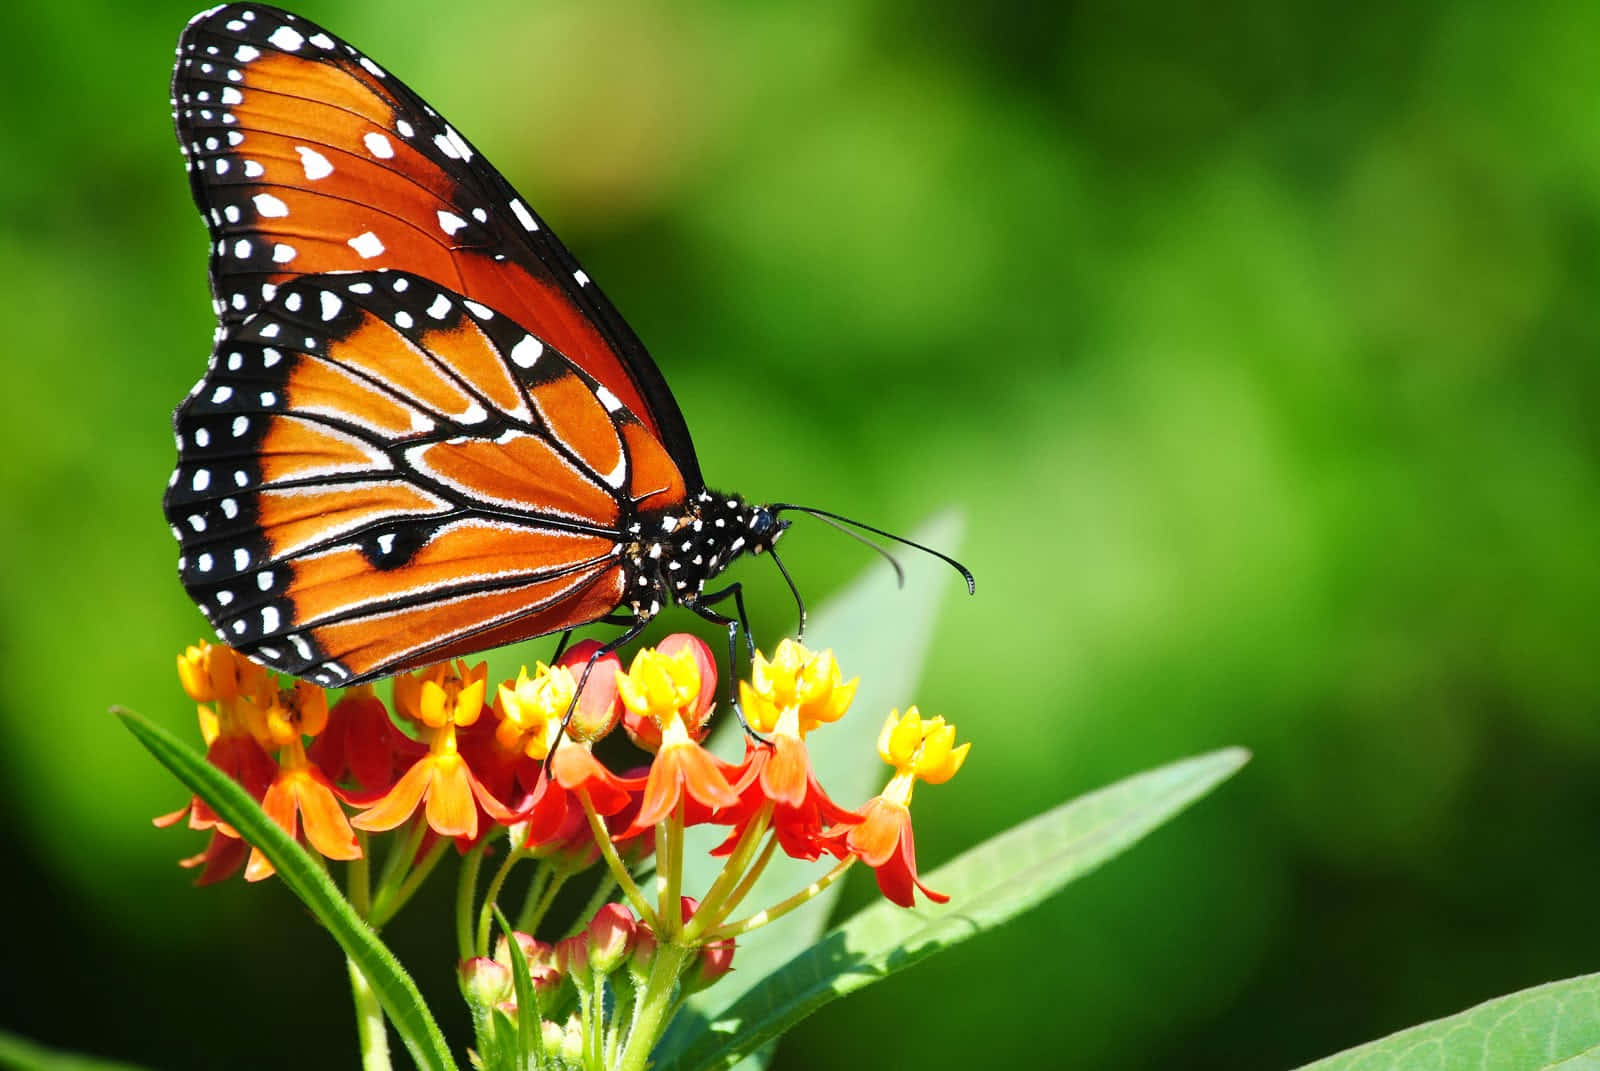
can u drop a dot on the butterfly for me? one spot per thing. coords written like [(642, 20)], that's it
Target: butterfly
[(423, 431)]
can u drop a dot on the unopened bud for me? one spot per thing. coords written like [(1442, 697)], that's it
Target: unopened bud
[(611, 936)]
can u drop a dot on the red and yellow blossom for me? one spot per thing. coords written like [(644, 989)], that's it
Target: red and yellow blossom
[(668, 688), (917, 748), (786, 698), (679, 675), (301, 792), (438, 701), (234, 733)]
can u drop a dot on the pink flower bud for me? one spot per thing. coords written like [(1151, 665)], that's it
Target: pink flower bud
[(611, 937), (485, 982), (598, 704), (572, 958)]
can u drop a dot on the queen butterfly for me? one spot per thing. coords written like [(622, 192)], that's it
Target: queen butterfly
[(424, 430)]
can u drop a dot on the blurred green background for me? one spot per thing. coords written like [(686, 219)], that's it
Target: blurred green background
[(1257, 341)]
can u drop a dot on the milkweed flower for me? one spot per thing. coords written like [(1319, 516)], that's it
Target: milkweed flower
[(301, 792), (438, 701), (919, 749), (787, 697), (220, 680), (668, 685)]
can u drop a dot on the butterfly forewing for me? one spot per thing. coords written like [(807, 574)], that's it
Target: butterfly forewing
[(306, 157), (377, 470)]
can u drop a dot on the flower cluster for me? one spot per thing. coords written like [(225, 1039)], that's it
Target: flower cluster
[(453, 760)]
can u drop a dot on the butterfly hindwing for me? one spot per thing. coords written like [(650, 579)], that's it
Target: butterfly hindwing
[(376, 469), (307, 157)]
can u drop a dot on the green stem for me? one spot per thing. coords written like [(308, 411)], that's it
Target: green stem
[(735, 898), (761, 918), (715, 905), (650, 1018), (466, 892), (608, 851), (358, 878), (595, 1035), (496, 883), (370, 1032), (533, 903), (672, 888), (408, 888), (396, 865)]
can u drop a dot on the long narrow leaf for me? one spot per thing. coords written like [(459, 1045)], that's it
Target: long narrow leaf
[(1548, 1027), (20, 1054), (306, 879), (989, 885)]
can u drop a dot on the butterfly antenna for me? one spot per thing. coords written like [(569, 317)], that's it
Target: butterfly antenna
[(830, 519), (800, 633)]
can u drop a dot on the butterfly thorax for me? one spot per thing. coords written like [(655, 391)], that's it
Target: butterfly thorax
[(674, 552)]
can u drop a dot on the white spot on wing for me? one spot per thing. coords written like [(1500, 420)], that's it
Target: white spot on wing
[(378, 145), (440, 307), (270, 206), (316, 165), (524, 217), (286, 38), (609, 400), (366, 243), (524, 353), (330, 304), (246, 53), (282, 253), (449, 222)]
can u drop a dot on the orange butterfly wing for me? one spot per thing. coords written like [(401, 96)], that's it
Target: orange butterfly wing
[(377, 472), (306, 157)]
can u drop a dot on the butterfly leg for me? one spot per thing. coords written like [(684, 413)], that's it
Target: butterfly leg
[(635, 626), (566, 636), (702, 606)]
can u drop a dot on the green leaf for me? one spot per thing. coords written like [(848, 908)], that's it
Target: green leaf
[(1540, 1029), (20, 1054), (880, 632), (305, 876), (530, 1037), (989, 885)]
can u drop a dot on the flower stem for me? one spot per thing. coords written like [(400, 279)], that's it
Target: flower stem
[(408, 888), (771, 914), (672, 888), (358, 878), (716, 903), (485, 913), (753, 875), (466, 891), (650, 1017), (534, 902), (370, 1032), (608, 851)]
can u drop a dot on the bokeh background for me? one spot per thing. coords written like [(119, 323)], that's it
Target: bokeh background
[(1257, 342)]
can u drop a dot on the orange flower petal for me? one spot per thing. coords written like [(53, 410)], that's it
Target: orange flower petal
[(400, 802), (327, 828), (784, 777), (450, 809), (878, 835)]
